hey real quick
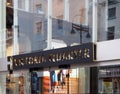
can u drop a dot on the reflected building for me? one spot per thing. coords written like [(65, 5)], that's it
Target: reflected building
[(24, 30)]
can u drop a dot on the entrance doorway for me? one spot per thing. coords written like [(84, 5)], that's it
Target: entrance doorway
[(60, 81)]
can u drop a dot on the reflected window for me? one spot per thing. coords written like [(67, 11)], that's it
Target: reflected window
[(112, 2), (60, 24), (38, 27), (111, 33), (112, 13), (39, 8)]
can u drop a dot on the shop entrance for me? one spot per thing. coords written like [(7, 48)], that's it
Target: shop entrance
[(58, 81), (50, 81), (64, 79)]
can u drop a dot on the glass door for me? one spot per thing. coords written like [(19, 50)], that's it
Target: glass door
[(60, 81)]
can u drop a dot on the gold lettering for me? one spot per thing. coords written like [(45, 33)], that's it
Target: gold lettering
[(86, 53), (43, 59), (15, 63)]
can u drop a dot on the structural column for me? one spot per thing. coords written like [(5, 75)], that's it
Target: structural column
[(66, 10), (2, 43), (87, 69), (2, 28), (27, 5), (49, 33), (86, 11), (94, 70), (106, 16), (15, 29), (94, 21)]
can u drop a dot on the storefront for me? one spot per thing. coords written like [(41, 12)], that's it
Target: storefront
[(58, 71), (109, 79), (109, 67), (18, 82)]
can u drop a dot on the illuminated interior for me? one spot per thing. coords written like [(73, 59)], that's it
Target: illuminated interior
[(9, 24)]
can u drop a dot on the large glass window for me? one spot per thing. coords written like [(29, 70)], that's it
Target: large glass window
[(61, 81)]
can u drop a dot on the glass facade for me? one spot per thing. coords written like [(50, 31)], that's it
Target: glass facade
[(32, 23), (57, 81), (60, 81), (31, 26)]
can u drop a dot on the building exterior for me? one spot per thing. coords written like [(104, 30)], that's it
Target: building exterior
[(25, 31)]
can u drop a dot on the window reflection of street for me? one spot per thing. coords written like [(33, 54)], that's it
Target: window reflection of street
[(10, 84)]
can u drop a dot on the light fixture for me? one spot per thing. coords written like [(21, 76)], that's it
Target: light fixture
[(8, 4), (72, 31), (80, 28)]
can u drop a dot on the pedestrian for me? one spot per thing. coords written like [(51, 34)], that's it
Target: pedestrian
[(61, 78), (54, 80)]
